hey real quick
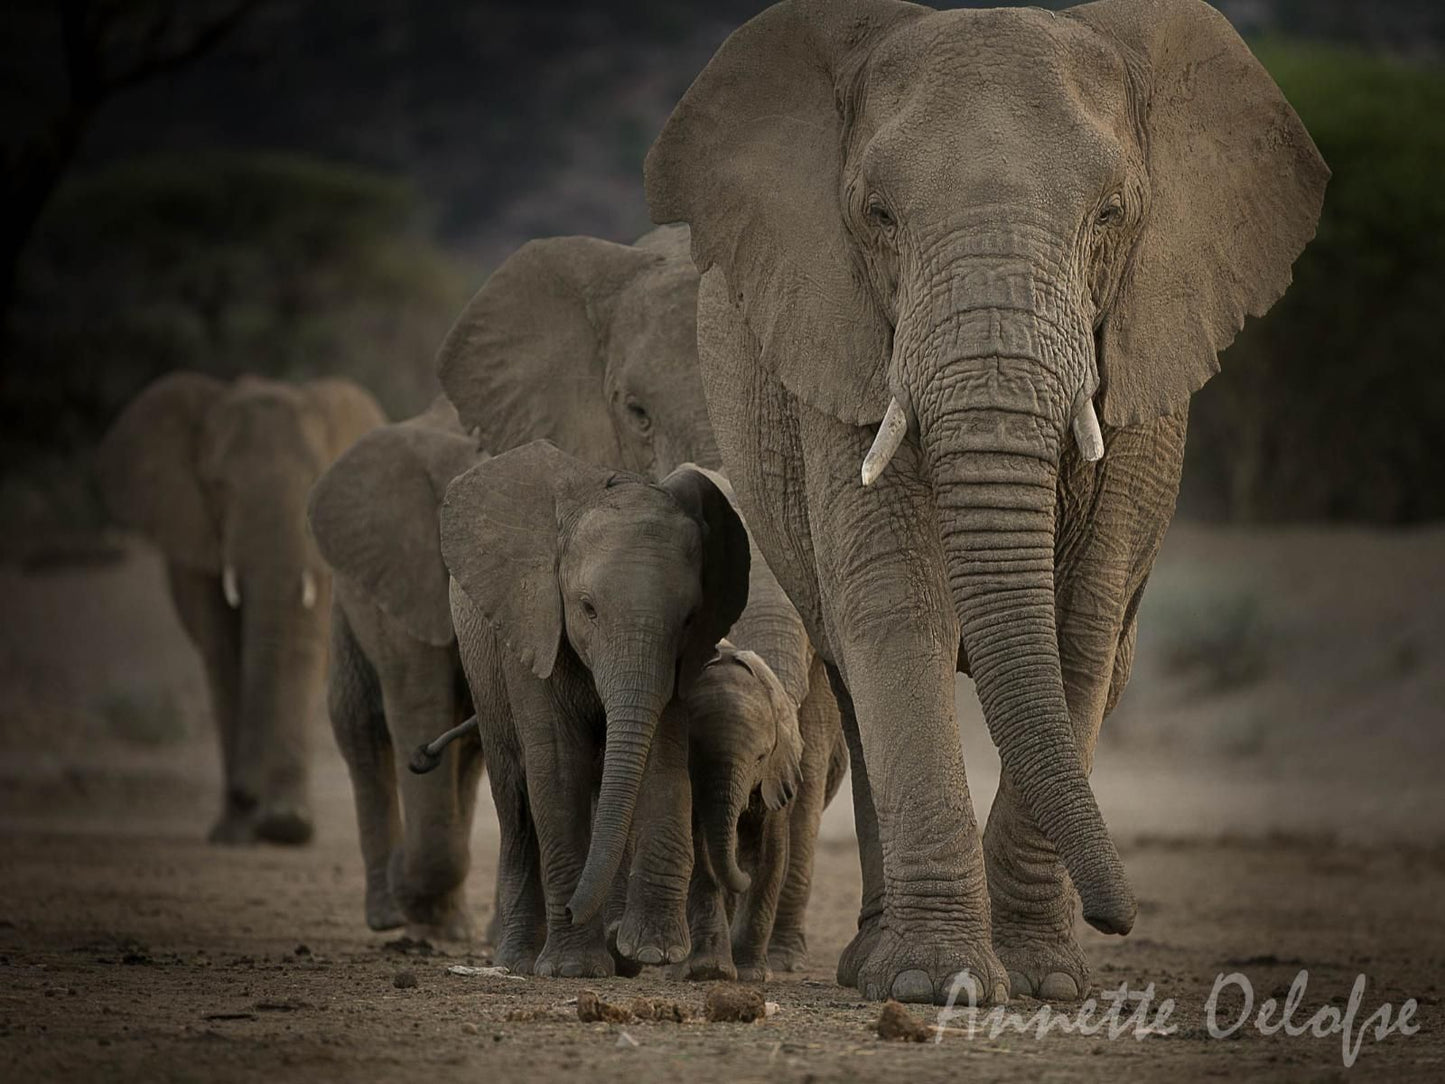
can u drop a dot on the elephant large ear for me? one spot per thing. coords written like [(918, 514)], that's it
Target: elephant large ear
[(349, 410), (526, 358), (499, 528), (374, 516), (751, 159), (1235, 190), (148, 469), (725, 564)]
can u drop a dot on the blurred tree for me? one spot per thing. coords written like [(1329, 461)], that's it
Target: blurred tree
[(106, 46), (1333, 407), (224, 263)]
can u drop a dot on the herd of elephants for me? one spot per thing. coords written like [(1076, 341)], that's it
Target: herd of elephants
[(898, 390)]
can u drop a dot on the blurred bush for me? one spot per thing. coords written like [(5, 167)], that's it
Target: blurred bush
[(1333, 407), (226, 263)]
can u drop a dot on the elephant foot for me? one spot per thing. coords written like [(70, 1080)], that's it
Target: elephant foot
[(787, 950), (857, 951), (382, 910), (517, 954), (711, 960), (752, 968), (233, 830), (929, 963), (572, 957), (289, 825), (1049, 967), (653, 935)]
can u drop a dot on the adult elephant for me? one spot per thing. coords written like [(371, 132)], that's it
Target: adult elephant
[(591, 345), (216, 474), (957, 231)]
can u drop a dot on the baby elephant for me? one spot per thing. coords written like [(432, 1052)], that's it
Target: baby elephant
[(745, 758), (216, 475), (395, 676), (584, 600)]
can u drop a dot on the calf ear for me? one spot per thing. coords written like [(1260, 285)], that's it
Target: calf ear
[(725, 565), (499, 535), (148, 469), (782, 773), (374, 515)]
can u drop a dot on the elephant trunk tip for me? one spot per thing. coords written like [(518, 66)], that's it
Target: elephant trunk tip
[(586, 901), (1112, 911)]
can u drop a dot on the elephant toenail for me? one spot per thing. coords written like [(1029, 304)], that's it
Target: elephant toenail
[(1000, 993), (676, 954), (965, 989), (625, 948), (871, 993), (1059, 987), (913, 986), (1020, 985), (649, 954)]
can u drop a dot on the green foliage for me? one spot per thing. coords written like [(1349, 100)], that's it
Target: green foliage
[(227, 264), (1333, 407)]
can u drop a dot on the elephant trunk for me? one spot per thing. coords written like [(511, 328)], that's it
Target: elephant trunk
[(281, 663), (633, 704), (720, 803), (992, 418)]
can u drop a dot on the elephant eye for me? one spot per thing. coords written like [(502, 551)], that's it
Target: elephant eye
[(1112, 213), (589, 610), (639, 415), (879, 214)]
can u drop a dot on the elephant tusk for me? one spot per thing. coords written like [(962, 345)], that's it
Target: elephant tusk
[(1087, 434), (891, 432), (308, 589), (230, 588)]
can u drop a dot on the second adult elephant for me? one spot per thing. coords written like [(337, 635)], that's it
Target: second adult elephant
[(395, 678), (931, 241), (590, 345)]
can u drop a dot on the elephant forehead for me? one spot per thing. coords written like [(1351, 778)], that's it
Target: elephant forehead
[(1004, 95), (634, 517)]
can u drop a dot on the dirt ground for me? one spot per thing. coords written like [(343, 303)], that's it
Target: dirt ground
[(1278, 812)]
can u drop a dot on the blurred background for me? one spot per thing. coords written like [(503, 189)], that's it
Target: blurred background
[(297, 188)]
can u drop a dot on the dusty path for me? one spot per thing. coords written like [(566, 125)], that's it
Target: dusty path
[(131, 950)]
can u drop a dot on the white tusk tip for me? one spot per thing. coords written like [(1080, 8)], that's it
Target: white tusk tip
[(1087, 434)]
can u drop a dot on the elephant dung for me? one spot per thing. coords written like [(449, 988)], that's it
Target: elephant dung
[(897, 1025), (728, 1003)]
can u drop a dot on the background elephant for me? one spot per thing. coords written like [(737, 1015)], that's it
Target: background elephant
[(583, 600), (961, 229), (395, 677), (216, 475), (591, 345)]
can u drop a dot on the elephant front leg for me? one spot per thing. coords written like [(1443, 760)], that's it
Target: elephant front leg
[(818, 721), (758, 909), (654, 927), (353, 701), (429, 870), (870, 848), (215, 628), (711, 958), (894, 636), (521, 916), (561, 779)]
